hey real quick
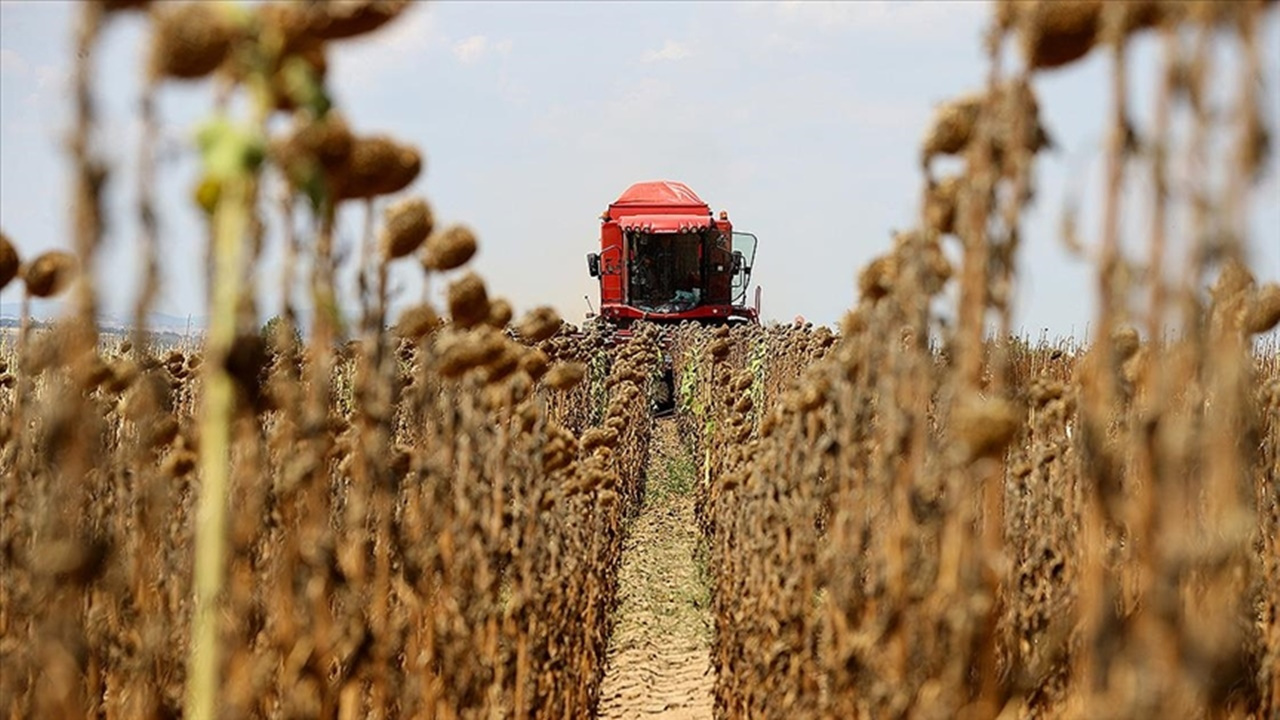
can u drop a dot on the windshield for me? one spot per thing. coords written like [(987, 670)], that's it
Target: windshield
[(667, 273)]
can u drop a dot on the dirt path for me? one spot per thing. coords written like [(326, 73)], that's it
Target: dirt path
[(659, 656)]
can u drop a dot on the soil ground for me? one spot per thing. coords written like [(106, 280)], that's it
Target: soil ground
[(659, 655)]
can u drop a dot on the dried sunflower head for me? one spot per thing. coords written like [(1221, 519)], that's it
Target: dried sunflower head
[(417, 322), (506, 363), (468, 301), (1053, 34), (539, 324), (500, 313), (718, 349), (1125, 342), (50, 273), (535, 363), (378, 165), (462, 351), (952, 126), (984, 426), (9, 261), (450, 248), (940, 204), (189, 40), (1263, 312), (565, 375), (339, 19), (122, 5), (406, 225)]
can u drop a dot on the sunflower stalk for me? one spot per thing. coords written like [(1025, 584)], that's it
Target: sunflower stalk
[(231, 221)]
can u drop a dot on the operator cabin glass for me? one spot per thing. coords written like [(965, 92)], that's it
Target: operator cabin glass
[(667, 271), (744, 258)]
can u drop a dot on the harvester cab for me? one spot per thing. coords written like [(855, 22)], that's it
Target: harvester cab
[(665, 258)]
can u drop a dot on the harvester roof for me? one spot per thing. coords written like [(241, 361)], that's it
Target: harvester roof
[(658, 197)]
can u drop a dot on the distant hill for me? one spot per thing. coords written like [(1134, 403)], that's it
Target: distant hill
[(47, 310)]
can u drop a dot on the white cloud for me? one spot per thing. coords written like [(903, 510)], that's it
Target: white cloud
[(48, 85), (45, 85), (473, 49), (912, 20), (641, 99), (51, 78), (11, 63), (671, 51)]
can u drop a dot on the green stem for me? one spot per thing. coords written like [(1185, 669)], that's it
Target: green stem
[(231, 221)]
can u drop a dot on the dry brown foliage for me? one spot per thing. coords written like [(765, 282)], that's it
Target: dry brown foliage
[(924, 521), (902, 519), (422, 523)]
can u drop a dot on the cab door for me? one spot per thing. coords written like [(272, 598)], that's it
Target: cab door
[(612, 261), (718, 268), (744, 259)]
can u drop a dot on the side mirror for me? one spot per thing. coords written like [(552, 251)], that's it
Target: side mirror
[(738, 262), (593, 264)]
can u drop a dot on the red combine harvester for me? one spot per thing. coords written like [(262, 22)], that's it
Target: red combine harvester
[(665, 258)]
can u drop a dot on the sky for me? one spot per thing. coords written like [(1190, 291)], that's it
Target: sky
[(802, 119)]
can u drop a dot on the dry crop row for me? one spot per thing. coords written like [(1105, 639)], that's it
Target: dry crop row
[(425, 522), (904, 520), (460, 558), (931, 523)]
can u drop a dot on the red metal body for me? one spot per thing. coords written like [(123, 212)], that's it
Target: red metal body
[(665, 258)]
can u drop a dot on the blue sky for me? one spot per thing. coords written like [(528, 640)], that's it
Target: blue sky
[(802, 119)]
